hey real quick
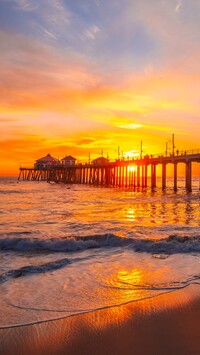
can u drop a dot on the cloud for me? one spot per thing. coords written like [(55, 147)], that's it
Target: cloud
[(33, 73), (36, 77), (92, 32), (178, 6), (78, 78), (85, 141), (25, 5), (49, 34), (129, 125), (43, 17)]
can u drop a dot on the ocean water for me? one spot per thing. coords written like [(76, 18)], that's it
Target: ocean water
[(69, 249)]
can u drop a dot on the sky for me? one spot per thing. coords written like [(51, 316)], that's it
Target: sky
[(88, 76)]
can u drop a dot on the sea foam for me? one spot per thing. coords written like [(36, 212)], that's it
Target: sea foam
[(171, 245)]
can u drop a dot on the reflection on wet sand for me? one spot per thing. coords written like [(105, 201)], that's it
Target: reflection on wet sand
[(164, 324)]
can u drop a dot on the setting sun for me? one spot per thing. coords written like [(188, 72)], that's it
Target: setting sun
[(132, 168)]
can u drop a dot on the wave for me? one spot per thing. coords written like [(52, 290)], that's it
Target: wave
[(171, 245), (34, 269)]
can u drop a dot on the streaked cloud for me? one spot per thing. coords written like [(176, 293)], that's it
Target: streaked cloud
[(92, 32), (178, 6), (25, 5), (49, 34), (129, 125)]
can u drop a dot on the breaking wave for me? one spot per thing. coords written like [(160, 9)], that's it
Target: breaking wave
[(34, 269), (171, 245)]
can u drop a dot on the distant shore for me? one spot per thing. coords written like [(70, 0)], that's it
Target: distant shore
[(166, 324)]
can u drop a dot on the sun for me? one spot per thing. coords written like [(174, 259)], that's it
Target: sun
[(132, 168)]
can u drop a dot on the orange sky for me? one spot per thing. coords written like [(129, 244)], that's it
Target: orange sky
[(76, 80)]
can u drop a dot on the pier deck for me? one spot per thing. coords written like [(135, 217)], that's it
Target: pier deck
[(120, 173)]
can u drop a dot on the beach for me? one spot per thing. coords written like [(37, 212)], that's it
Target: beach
[(166, 324), (98, 271)]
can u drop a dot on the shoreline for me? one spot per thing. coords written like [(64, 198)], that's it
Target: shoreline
[(165, 324)]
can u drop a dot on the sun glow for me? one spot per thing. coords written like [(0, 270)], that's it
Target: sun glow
[(132, 168)]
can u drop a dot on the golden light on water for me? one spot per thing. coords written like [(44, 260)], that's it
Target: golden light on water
[(127, 277), (127, 284), (131, 214), (132, 284)]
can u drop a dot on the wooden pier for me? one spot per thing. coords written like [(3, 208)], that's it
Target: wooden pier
[(121, 173)]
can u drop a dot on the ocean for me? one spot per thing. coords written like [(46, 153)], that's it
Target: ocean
[(71, 249)]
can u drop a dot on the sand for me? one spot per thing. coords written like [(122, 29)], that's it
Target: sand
[(166, 324)]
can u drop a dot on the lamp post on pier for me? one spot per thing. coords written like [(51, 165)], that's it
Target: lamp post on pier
[(166, 149), (141, 151), (173, 145)]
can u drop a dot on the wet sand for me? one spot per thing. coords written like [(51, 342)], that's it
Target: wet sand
[(166, 324)]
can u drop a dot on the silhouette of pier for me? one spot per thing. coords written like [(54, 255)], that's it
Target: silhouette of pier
[(120, 173)]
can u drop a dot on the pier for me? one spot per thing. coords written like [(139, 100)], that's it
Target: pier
[(120, 173)]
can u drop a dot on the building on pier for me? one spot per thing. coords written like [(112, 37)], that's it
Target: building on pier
[(68, 161), (100, 161), (46, 162)]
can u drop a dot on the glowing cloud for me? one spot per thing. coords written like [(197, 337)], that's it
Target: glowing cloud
[(74, 80)]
